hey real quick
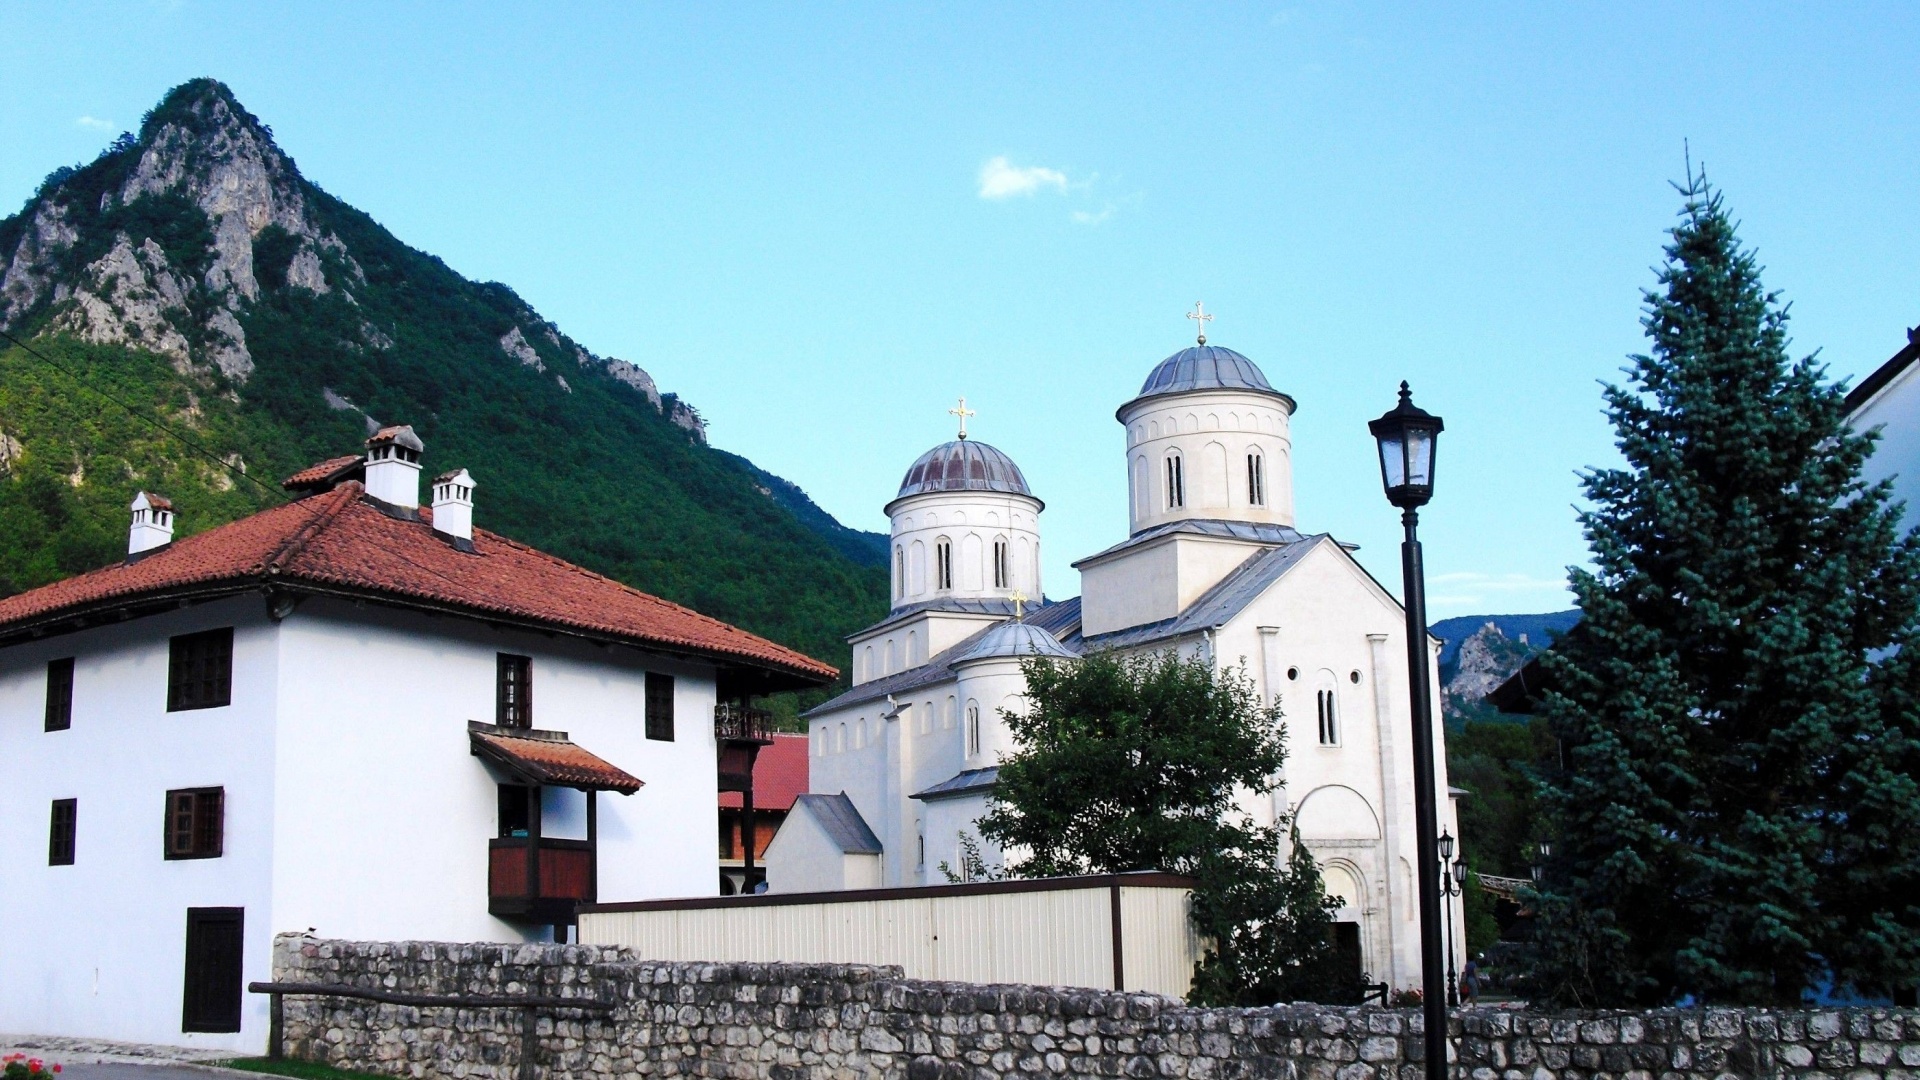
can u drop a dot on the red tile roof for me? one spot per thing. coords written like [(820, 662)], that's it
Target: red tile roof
[(342, 543), (324, 475), (549, 757), (779, 774)]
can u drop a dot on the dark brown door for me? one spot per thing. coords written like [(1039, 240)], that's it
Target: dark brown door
[(214, 947), (1346, 946)]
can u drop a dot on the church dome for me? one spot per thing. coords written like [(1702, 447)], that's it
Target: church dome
[(1014, 640), (963, 465), (1204, 367)]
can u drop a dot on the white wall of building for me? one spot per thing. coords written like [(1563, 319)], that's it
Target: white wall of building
[(99, 948), (1895, 411), (1212, 432), (803, 858), (970, 522), (353, 804)]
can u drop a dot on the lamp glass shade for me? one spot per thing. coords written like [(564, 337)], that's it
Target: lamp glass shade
[(1446, 846), (1408, 436), (1460, 873)]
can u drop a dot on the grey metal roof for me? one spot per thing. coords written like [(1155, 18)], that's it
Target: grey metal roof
[(842, 822), (963, 465), (1217, 605), (1002, 608), (1012, 640), (970, 782), (1255, 532), (1206, 367), (939, 666), (1057, 618)]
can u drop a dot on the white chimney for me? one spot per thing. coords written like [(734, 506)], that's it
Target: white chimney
[(393, 466), (152, 523), (453, 504)]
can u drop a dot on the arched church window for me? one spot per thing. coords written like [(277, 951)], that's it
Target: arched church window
[(893, 657), (840, 742), (1176, 482), (1256, 480), (899, 572), (1002, 579), (946, 715), (866, 664), (860, 734), (1329, 709), (1142, 498), (943, 564), (973, 728)]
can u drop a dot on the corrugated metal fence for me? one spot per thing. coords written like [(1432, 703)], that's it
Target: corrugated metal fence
[(1114, 931)]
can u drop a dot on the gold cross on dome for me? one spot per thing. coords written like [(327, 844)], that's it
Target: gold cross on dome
[(1019, 598), (962, 412), (1199, 316)]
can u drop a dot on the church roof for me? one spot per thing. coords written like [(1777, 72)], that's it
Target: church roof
[(340, 543), (841, 821), (1253, 531), (1012, 640), (1215, 607), (969, 782), (963, 465), (958, 605), (1205, 367)]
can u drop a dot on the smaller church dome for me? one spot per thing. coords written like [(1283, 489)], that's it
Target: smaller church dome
[(1016, 640), (1204, 367), (963, 465)]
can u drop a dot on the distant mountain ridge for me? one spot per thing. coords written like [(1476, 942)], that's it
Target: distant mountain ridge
[(1482, 651), (191, 270)]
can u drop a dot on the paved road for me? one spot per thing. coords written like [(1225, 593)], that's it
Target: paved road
[(105, 1070)]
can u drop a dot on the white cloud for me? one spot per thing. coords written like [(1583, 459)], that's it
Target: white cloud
[(1002, 179), (1087, 217), (95, 123), (1474, 592)]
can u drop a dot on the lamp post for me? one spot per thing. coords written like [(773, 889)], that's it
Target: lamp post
[(1407, 435), (1453, 880)]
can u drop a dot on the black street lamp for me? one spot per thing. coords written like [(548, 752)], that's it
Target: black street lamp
[(1453, 880), (1407, 436)]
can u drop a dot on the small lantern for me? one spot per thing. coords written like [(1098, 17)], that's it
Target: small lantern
[(1446, 846), (1460, 873), (1407, 436)]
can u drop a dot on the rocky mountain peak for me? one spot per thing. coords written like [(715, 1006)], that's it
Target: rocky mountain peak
[(153, 243)]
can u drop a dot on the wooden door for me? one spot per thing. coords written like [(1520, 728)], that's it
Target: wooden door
[(215, 943)]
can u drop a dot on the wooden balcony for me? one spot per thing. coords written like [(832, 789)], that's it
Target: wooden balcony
[(564, 872), (739, 724)]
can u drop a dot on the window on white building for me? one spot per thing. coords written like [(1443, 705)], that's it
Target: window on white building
[(1256, 480), (1001, 578), (195, 823), (1329, 708), (899, 572), (943, 564), (1176, 482), (973, 728)]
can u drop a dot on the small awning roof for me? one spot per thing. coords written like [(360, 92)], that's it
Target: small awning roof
[(549, 758)]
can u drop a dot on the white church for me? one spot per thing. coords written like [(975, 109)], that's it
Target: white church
[(904, 763)]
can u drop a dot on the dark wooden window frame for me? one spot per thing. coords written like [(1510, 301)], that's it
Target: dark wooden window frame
[(60, 694), (200, 670), (215, 959), (195, 826), (513, 691), (660, 690), (62, 832)]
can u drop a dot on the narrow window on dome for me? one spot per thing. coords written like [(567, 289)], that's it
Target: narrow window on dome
[(1000, 576), (943, 564), (973, 728), (1256, 481), (1329, 718), (1176, 482), (899, 572)]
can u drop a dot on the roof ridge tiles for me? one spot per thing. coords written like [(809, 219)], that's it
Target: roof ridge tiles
[(324, 515)]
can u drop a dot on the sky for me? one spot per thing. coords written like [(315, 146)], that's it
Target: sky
[(821, 225)]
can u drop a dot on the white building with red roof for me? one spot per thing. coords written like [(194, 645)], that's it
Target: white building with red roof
[(350, 714)]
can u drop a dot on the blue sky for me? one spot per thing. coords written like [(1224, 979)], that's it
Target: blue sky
[(793, 216)]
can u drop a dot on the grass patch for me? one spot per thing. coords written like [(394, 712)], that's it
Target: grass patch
[(300, 1070)]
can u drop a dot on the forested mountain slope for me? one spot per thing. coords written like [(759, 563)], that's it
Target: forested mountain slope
[(192, 273)]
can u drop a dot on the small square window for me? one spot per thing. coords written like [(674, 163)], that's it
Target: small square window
[(196, 823), (513, 705), (61, 835), (60, 694), (200, 670), (660, 707)]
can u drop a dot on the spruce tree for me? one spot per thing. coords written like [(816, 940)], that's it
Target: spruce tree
[(1735, 816)]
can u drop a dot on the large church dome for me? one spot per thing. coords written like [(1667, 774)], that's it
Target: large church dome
[(1204, 367), (963, 465)]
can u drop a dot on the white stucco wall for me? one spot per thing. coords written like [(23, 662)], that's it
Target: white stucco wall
[(99, 948), (1156, 580), (1894, 411), (352, 802), (1212, 431)]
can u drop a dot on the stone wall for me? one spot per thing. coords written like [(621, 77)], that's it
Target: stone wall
[(837, 1022)]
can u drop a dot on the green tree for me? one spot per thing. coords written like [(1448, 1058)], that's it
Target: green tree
[(1736, 817), (1137, 763)]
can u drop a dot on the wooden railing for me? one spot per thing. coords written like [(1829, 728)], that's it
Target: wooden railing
[(738, 723), (566, 874)]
